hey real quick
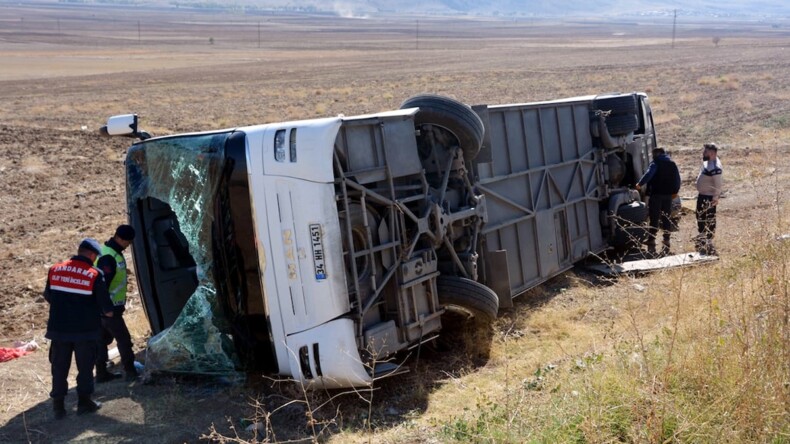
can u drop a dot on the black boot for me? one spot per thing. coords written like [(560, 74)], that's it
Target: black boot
[(59, 407), (104, 375), (651, 249), (87, 405), (665, 246), (699, 244), (131, 374)]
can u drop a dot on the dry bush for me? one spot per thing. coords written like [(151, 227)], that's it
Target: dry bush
[(34, 165), (688, 97), (744, 105), (729, 83)]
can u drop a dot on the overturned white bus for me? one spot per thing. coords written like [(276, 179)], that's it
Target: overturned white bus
[(315, 249)]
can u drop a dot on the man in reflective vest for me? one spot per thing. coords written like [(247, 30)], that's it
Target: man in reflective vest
[(112, 263), (77, 295)]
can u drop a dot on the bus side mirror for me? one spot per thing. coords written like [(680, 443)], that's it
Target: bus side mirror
[(123, 125)]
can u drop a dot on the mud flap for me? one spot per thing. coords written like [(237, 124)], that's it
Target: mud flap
[(498, 276)]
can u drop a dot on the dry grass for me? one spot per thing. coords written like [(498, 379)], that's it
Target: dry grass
[(703, 348), (664, 118)]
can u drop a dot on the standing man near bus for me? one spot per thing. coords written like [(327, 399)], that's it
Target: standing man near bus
[(709, 185), (663, 183), (77, 294), (112, 263)]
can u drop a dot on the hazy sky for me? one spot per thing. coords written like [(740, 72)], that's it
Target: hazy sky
[(776, 9), (555, 7)]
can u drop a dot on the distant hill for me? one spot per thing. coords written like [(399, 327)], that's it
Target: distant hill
[(559, 8), (521, 8)]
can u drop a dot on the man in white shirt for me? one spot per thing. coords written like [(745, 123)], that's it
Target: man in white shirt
[(709, 184)]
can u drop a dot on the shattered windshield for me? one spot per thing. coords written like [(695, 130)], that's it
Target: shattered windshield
[(171, 186)]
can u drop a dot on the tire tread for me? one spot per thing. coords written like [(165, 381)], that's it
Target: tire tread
[(469, 294)]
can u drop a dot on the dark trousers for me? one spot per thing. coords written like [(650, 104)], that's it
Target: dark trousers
[(115, 327), (659, 208), (60, 357), (706, 216)]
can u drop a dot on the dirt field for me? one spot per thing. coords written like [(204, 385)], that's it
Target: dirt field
[(63, 71)]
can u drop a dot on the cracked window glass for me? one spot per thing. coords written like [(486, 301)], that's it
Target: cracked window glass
[(171, 186)]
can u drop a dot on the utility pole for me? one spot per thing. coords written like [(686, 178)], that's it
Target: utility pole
[(674, 23), (259, 33), (58, 26), (417, 36)]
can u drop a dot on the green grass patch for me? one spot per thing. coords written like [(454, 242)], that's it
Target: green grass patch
[(781, 121)]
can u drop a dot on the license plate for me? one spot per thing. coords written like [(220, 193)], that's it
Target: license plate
[(318, 252)]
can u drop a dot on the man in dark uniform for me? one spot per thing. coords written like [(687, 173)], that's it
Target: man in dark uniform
[(77, 294), (112, 263), (663, 183)]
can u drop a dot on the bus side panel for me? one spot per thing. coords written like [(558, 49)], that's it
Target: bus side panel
[(542, 184)]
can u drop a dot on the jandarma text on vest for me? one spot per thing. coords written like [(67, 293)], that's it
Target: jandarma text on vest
[(72, 269)]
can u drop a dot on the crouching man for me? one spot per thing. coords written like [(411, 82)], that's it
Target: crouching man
[(112, 263)]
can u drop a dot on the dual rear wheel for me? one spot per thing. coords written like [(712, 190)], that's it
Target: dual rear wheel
[(623, 112), (470, 299)]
